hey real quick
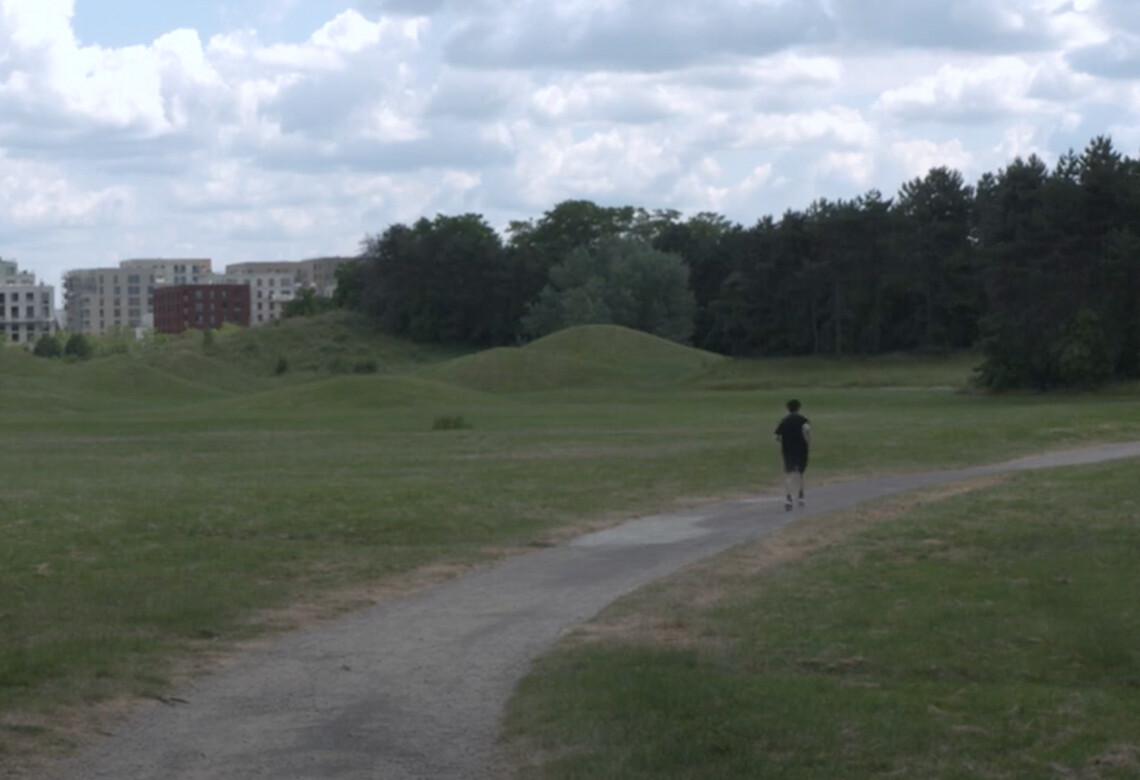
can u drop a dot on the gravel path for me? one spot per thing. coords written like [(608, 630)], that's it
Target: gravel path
[(413, 688)]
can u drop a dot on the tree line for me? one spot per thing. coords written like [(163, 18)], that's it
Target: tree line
[(1037, 267)]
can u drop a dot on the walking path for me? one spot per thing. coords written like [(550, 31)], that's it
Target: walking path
[(414, 688)]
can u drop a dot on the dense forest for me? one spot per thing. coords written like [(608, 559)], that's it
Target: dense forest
[(1038, 268)]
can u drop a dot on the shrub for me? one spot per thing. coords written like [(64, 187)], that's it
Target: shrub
[(78, 346), (1082, 356), (48, 346), (450, 422), (282, 366), (365, 367)]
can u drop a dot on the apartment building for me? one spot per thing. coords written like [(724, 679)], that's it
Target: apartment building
[(317, 273), (201, 306), (271, 286), (97, 300), (26, 308)]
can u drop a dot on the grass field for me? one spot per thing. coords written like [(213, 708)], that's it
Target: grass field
[(984, 633), (159, 505)]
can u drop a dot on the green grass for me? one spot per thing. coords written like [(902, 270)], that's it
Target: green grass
[(592, 356), (886, 371), (155, 503), (991, 634)]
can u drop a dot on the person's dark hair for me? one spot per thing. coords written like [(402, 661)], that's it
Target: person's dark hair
[(793, 406)]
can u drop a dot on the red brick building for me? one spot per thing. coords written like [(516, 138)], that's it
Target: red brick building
[(200, 307)]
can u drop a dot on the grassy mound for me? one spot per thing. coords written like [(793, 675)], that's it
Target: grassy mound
[(31, 384), (243, 360), (581, 357), (337, 342), (350, 394)]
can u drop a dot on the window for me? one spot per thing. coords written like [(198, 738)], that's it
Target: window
[(30, 296), (30, 312), (15, 312), (1, 299), (133, 279)]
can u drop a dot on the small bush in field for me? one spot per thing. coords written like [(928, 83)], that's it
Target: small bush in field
[(450, 422)]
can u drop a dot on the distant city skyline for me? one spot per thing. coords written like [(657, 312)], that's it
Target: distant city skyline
[(282, 130)]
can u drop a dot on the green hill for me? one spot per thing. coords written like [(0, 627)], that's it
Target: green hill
[(30, 384), (184, 369), (580, 357), (246, 360), (331, 396)]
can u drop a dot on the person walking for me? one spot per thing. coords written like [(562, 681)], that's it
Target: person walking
[(794, 435)]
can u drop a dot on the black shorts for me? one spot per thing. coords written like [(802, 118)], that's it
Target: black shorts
[(795, 462)]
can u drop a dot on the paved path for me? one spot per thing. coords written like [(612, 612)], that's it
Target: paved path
[(413, 688)]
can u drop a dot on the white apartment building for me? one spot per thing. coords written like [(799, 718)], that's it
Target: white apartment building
[(97, 300), (271, 286), (317, 274), (26, 308)]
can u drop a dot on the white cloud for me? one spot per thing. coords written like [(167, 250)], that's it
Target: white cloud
[(855, 167), (35, 195), (914, 158), (642, 35), (994, 26), (553, 167), (990, 92), (838, 125)]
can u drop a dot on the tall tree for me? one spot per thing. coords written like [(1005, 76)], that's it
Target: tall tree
[(620, 281), (1017, 239), (935, 269), (445, 280), (707, 243)]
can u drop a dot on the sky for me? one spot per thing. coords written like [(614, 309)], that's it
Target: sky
[(285, 129)]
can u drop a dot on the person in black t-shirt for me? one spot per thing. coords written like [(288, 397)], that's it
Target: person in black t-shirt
[(794, 435)]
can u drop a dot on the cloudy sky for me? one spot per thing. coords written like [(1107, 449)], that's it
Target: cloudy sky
[(246, 130)]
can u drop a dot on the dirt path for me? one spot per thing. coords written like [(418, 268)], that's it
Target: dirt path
[(413, 688)]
